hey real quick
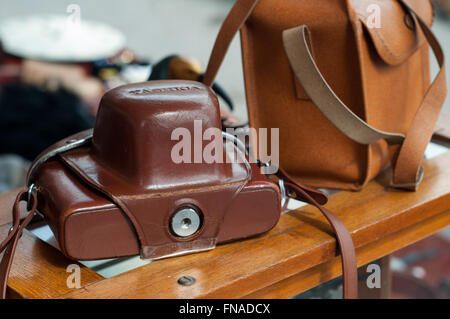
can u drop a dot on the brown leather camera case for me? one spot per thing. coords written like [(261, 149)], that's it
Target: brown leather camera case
[(108, 198)]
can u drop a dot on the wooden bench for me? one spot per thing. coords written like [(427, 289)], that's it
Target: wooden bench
[(298, 254)]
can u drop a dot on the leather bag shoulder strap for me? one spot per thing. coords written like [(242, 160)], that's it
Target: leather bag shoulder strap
[(408, 172), (232, 24)]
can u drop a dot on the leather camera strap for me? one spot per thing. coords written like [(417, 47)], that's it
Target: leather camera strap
[(407, 170), (344, 239), (9, 244)]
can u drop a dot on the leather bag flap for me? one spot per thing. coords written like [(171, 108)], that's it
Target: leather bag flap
[(394, 33)]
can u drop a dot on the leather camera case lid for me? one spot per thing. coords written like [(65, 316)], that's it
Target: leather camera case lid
[(117, 195), (134, 128)]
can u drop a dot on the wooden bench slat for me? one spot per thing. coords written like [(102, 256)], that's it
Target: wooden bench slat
[(366, 254)]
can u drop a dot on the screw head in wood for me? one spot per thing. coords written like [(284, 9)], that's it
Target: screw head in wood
[(186, 280)]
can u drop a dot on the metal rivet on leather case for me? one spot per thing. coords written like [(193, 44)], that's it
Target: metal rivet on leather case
[(185, 222)]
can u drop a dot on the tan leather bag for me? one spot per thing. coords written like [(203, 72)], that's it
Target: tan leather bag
[(346, 81)]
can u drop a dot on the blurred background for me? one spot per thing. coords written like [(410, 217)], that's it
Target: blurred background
[(50, 88)]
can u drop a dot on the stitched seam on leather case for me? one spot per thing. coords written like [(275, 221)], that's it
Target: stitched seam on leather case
[(187, 191), (93, 184)]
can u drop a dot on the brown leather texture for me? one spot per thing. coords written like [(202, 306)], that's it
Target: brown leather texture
[(369, 69)]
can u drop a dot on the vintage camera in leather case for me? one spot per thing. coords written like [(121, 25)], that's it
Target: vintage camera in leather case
[(117, 192)]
